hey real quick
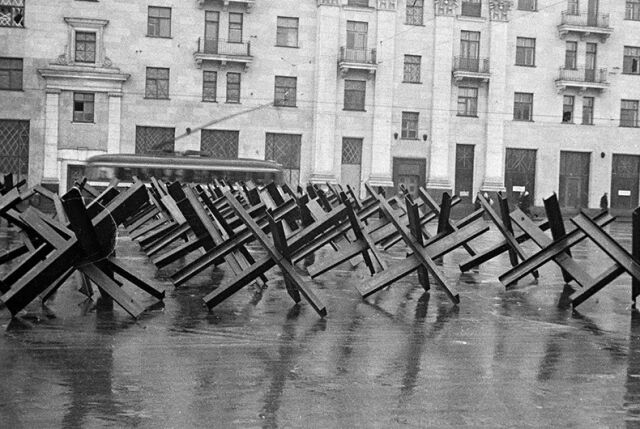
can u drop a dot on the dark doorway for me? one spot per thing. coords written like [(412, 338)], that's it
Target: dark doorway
[(464, 172), (410, 172), (624, 181), (574, 179), (520, 173), (14, 147)]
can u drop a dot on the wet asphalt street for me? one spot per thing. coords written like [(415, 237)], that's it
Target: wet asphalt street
[(402, 358)]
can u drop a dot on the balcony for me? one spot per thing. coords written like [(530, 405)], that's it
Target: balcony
[(223, 52), (582, 79), (585, 24), (471, 69), (225, 3), (357, 59)]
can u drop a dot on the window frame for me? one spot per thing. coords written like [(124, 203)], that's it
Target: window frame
[(521, 5), (207, 84), (230, 89), (287, 31), (362, 95), (85, 43), (83, 116), (416, 16), (571, 54), (148, 79), (524, 53), (634, 123), (632, 10), (587, 110), (568, 107), (12, 73), (632, 60), (358, 3), (470, 102), (240, 29), (473, 11), (159, 20), (410, 126), (519, 105), (412, 71), (280, 91), (15, 12)]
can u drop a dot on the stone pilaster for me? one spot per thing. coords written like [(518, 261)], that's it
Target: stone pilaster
[(438, 179), (50, 169), (115, 114), (324, 110), (497, 98), (383, 97)]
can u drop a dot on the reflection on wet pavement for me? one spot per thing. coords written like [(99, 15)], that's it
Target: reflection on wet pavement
[(503, 358)]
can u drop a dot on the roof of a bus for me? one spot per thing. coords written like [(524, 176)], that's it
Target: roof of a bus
[(172, 160)]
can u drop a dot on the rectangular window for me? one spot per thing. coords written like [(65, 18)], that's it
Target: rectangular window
[(523, 106), (159, 22), (633, 10), (358, 3), (527, 5), (235, 27), (587, 110), (410, 125), (11, 74), (285, 91), (631, 61), (412, 68), (471, 7), (83, 107), (525, 51), (357, 35), (567, 109), (157, 83), (467, 101), (151, 139), (287, 32), (12, 13), (354, 94), (573, 7), (629, 113), (85, 47), (220, 144), (233, 87), (415, 12), (571, 56), (209, 85)]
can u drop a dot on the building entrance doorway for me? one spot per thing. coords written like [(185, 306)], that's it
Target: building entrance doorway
[(410, 172)]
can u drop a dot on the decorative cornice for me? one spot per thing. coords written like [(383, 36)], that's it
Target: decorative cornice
[(445, 7), (499, 9), (86, 22)]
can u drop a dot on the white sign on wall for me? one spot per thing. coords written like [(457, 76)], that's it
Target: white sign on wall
[(518, 189), (624, 193)]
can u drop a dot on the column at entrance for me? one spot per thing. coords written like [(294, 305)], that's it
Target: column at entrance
[(115, 111), (50, 174), (439, 181), (496, 106), (326, 81), (383, 97)]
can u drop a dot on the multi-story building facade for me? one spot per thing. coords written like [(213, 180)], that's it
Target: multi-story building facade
[(453, 95)]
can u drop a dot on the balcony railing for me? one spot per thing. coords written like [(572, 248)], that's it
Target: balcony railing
[(360, 56), (357, 59), (223, 51), (585, 24), (599, 20), (583, 75), (476, 65), (582, 78)]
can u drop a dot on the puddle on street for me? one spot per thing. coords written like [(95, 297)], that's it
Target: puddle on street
[(403, 357)]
